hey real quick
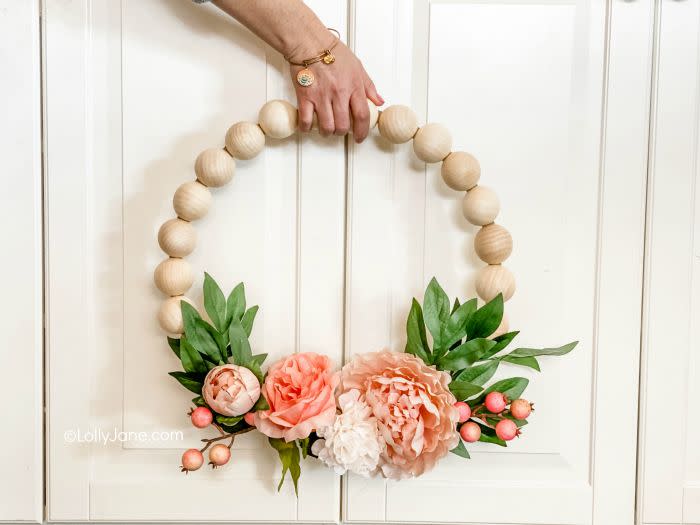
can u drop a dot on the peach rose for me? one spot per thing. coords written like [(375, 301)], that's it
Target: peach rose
[(231, 390), (413, 405), (300, 390)]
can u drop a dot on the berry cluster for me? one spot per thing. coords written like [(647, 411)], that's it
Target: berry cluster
[(494, 413)]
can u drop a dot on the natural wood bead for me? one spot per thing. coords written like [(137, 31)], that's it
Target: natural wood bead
[(480, 206), (502, 328), (432, 143), (398, 124), (173, 276), (278, 119), (170, 314), (460, 171), (177, 238), (494, 279), (214, 167), (244, 140), (493, 244), (192, 200)]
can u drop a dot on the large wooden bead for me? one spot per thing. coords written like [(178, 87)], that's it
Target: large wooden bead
[(177, 238), (481, 206), (398, 124), (244, 140), (460, 171), (192, 200), (170, 314), (278, 119), (173, 276), (494, 279), (432, 143), (214, 167), (493, 244)]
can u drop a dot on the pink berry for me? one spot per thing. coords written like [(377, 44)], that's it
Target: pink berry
[(219, 455), (465, 412), (521, 408), (495, 402), (507, 429), (470, 432), (250, 418), (201, 417), (192, 459)]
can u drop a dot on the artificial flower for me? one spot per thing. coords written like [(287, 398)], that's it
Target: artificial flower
[(231, 390)]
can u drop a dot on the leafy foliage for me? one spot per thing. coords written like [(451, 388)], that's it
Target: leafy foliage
[(290, 459)]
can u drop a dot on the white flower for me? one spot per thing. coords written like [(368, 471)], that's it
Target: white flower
[(353, 441)]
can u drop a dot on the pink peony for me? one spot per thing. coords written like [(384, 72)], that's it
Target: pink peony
[(300, 390), (413, 405), (231, 390)]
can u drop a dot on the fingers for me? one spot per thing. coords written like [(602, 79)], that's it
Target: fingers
[(306, 115), (360, 115), (372, 94), (341, 115), (326, 122)]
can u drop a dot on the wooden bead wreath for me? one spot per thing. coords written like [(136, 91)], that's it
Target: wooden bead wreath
[(278, 119)]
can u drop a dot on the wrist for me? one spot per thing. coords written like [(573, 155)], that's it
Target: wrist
[(307, 44)]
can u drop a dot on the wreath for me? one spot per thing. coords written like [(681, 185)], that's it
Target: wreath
[(392, 414)]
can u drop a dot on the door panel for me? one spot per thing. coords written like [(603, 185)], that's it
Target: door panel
[(135, 91), (523, 86)]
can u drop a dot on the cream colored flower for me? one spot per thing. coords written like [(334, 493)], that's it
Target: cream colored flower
[(231, 390)]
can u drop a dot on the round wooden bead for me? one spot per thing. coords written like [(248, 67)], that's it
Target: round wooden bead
[(177, 238), (480, 206), (278, 119), (214, 167), (398, 124), (460, 171), (170, 314), (244, 140), (493, 244), (494, 279), (432, 143), (192, 200), (502, 328), (173, 276)]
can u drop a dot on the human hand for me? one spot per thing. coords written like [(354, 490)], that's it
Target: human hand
[(338, 96)]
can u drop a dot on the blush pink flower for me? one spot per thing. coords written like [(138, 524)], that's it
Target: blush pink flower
[(231, 390), (300, 390), (413, 406)]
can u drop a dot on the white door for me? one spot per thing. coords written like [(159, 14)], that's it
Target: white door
[(135, 90), (551, 96), (524, 86), (669, 463)]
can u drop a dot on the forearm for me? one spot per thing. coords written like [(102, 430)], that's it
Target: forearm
[(289, 26)]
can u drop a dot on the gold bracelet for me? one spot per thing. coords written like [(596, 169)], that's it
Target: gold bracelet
[(305, 77)]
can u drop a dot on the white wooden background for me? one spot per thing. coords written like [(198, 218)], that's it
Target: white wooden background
[(553, 96)]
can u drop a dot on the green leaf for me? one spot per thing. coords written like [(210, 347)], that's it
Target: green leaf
[(461, 450), (417, 340), (192, 382), (456, 305), (501, 342), (486, 319), (533, 352), (511, 388), (260, 404), (304, 446), (248, 319), (465, 354), (199, 401), (191, 359), (240, 346), (254, 367), (456, 327), (199, 333), (478, 374), (214, 303), (289, 456), (530, 362), (174, 346), (227, 420), (260, 358), (436, 309), (463, 390), (235, 304), (488, 435)]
